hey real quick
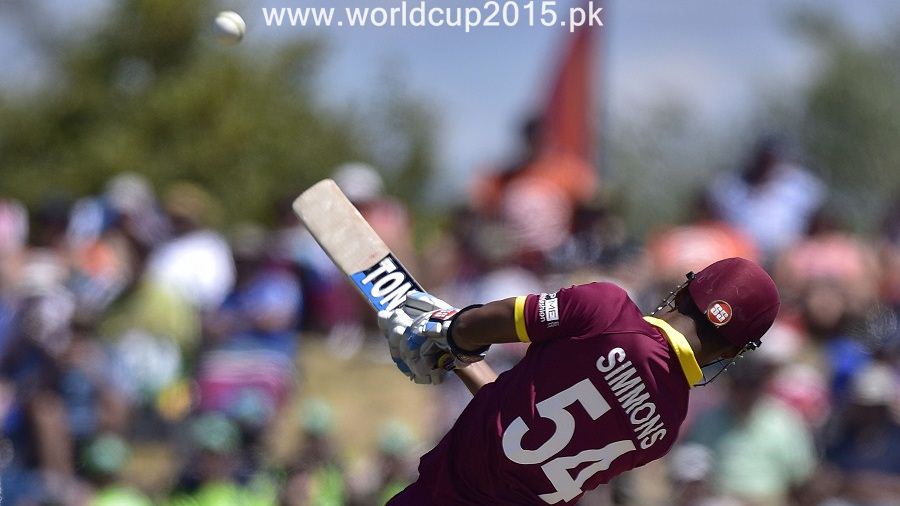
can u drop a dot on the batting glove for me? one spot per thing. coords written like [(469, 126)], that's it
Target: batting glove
[(420, 338), (417, 356), (435, 319)]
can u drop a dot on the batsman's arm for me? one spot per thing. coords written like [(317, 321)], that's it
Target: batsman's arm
[(426, 317), (476, 376), (492, 323), (489, 324), (566, 313)]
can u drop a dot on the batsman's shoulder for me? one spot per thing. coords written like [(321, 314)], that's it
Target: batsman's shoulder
[(597, 304), (598, 292)]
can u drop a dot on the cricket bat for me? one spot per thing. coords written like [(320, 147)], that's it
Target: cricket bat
[(353, 246), (356, 249)]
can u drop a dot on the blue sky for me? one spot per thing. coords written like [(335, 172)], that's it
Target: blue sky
[(715, 56)]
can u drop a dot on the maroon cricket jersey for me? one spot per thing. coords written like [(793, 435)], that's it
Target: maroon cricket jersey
[(601, 390)]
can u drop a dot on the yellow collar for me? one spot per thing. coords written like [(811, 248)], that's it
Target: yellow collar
[(692, 372)]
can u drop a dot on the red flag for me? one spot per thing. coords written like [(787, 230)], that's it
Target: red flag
[(564, 152), (567, 114)]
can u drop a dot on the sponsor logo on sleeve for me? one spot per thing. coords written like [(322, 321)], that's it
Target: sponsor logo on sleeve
[(385, 284), (719, 312), (548, 309), (552, 308)]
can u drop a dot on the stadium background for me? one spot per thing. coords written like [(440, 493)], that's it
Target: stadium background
[(168, 333)]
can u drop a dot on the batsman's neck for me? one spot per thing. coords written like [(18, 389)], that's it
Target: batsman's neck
[(686, 326)]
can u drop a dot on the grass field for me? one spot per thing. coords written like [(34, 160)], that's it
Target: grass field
[(365, 391)]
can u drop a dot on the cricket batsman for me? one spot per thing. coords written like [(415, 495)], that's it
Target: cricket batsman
[(601, 390)]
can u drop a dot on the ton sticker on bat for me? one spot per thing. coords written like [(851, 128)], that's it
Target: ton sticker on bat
[(385, 284)]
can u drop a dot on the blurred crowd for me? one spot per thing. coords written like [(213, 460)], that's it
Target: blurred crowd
[(136, 319), (133, 325)]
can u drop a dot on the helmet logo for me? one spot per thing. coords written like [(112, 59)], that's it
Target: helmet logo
[(719, 312)]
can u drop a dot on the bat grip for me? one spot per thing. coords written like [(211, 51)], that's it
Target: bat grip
[(446, 362)]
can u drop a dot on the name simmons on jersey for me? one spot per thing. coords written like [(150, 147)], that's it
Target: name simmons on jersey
[(631, 394)]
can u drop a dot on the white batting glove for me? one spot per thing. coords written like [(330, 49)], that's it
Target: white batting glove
[(416, 355), (417, 303), (433, 318), (419, 338)]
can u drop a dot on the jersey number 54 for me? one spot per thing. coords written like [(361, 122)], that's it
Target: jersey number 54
[(555, 467)]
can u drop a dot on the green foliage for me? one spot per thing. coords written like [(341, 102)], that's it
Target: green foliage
[(397, 132), (844, 124), (151, 92), (850, 116), (658, 167)]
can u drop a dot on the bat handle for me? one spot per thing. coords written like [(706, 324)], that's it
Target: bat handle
[(445, 362)]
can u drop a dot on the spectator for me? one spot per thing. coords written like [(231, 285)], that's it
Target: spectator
[(827, 316), (598, 238), (829, 254), (771, 199), (13, 237), (196, 264), (247, 368), (890, 256), (763, 450), (864, 446), (395, 467), (110, 237), (316, 475), (799, 380), (691, 468), (13, 227), (690, 247), (536, 195), (104, 460), (37, 421), (154, 328), (216, 475)]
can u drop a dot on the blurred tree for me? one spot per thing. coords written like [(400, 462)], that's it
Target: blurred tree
[(849, 118), (844, 125), (399, 138), (657, 168), (152, 92)]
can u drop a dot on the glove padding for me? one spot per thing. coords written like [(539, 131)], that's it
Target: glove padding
[(418, 344)]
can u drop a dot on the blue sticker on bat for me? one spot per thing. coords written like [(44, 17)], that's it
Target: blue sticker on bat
[(385, 284)]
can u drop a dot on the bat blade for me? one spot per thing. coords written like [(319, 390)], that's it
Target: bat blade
[(354, 246)]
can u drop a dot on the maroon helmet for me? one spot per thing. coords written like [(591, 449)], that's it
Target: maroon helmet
[(738, 297)]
